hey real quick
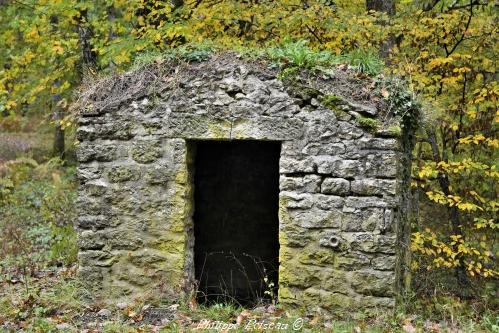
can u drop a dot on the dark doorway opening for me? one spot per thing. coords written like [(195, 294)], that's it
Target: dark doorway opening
[(236, 190)]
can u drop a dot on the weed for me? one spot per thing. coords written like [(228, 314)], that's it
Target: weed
[(217, 312), (364, 61), (299, 54)]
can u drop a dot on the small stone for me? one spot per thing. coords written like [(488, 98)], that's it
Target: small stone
[(63, 326), (271, 309), (105, 313), (122, 305)]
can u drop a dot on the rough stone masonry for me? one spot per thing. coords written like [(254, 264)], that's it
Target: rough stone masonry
[(341, 202)]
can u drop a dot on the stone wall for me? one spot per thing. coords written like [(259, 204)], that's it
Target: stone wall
[(339, 181)]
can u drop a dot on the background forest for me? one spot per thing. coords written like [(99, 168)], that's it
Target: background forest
[(444, 51)]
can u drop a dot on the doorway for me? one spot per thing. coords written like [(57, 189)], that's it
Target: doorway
[(236, 221)]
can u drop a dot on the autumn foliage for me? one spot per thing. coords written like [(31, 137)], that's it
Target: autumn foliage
[(447, 53)]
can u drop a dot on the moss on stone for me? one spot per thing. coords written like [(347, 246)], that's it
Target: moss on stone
[(302, 92), (121, 174), (146, 152), (219, 130), (369, 124), (332, 101), (395, 130)]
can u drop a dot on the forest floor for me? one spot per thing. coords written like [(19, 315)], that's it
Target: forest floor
[(53, 301)]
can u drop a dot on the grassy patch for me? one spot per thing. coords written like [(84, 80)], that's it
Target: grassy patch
[(364, 61), (299, 54)]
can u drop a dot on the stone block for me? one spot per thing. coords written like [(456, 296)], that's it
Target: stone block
[(295, 165), (294, 274), (121, 239), (384, 262), (374, 186), (352, 261), (378, 144), (324, 148), (88, 172), (122, 173), (375, 283), (328, 202), (267, 128), (90, 240), (328, 300), (190, 126), (158, 174), (93, 222), (294, 200), (362, 220), (145, 152), (337, 167), (338, 186), (316, 218), (381, 165), (305, 184), (86, 152)]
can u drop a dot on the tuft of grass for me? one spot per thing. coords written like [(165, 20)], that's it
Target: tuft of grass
[(364, 61), (299, 54), (218, 312)]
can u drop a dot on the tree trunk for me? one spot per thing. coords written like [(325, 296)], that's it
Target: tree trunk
[(57, 110), (388, 7), (57, 116), (454, 216), (383, 6), (88, 55)]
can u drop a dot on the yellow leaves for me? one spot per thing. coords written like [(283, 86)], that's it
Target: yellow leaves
[(453, 200), (426, 172), (479, 139), (439, 62), (10, 105), (57, 48), (481, 223), (450, 253), (157, 37), (424, 55), (32, 35), (461, 70)]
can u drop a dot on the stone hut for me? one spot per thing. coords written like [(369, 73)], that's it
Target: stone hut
[(233, 180)]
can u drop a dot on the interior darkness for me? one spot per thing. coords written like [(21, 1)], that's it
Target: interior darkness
[(236, 220)]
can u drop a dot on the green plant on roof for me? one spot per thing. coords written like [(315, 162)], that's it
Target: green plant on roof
[(364, 61), (299, 54)]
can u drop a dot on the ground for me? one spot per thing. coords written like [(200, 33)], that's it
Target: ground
[(53, 301)]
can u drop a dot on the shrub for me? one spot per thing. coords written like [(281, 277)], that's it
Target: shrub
[(36, 216)]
